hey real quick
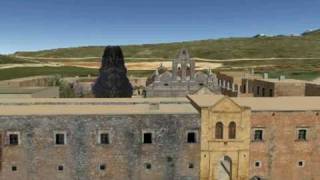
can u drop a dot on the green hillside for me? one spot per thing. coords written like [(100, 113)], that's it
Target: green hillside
[(11, 60), (307, 45)]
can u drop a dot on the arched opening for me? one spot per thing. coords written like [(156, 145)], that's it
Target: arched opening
[(232, 130), (188, 72), (224, 168), (256, 178), (219, 130)]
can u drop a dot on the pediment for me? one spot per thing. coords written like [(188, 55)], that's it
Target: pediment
[(226, 104)]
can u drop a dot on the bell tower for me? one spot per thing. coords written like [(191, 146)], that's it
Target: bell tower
[(183, 67)]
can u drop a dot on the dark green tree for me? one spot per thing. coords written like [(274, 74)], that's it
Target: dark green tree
[(112, 81)]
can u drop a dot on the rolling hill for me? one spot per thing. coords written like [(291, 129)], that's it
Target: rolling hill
[(11, 60), (306, 45)]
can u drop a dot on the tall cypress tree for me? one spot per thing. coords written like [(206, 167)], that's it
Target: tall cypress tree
[(112, 81)]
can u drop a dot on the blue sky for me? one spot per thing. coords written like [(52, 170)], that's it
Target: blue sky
[(45, 24)]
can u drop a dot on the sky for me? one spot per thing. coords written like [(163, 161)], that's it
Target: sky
[(28, 25)]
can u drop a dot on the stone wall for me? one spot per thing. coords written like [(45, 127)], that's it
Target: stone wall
[(258, 86), (312, 89), (289, 89), (37, 156), (280, 151)]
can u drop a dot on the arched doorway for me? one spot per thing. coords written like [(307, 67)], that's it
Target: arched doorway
[(224, 169)]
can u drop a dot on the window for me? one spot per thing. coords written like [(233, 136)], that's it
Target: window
[(13, 138), (219, 130), (191, 166), (302, 134), (103, 137), (147, 166), (147, 138), (14, 168), (258, 90), (258, 135), (300, 163), (191, 137), (263, 92), (232, 130), (102, 167), (188, 67), (60, 138), (60, 168), (257, 164), (270, 92)]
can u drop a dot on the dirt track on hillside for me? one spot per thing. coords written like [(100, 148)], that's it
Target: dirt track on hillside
[(144, 65)]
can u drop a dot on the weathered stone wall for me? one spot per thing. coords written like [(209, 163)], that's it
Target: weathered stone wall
[(280, 151), (312, 89), (289, 89), (37, 157), (268, 88)]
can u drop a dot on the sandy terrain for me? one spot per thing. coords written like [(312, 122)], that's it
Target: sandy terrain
[(7, 66), (144, 65)]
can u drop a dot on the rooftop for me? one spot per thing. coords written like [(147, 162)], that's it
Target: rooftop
[(276, 80), (301, 103), (240, 74), (94, 106), (127, 106)]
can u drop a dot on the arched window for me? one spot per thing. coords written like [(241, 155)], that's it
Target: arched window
[(219, 130), (179, 66), (232, 130)]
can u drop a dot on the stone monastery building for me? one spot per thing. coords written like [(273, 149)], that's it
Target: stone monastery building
[(182, 80), (202, 137)]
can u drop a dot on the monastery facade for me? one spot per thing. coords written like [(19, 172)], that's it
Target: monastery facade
[(202, 137)]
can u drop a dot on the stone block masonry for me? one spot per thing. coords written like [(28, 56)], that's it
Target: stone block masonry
[(169, 156)]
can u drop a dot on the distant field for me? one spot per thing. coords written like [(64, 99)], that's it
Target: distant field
[(20, 72), (12, 60)]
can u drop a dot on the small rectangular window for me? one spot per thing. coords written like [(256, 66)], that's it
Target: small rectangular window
[(301, 163), (60, 138), (60, 168), (13, 138), (147, 138), (14, 168), (302, 134), (191, 137), (104, 138), (258, 135)]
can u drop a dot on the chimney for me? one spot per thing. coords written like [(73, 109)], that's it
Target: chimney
[(252, 71), (265, 75), (282, 77)]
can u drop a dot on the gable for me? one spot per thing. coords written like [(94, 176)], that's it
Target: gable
[(226, 105), (204, 90)]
